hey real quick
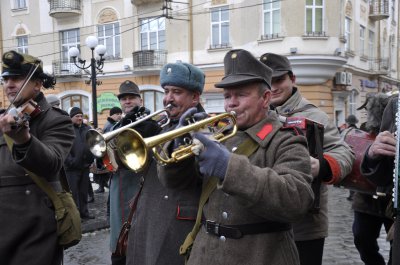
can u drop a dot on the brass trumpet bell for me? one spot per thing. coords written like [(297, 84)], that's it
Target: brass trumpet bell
[(133, 149)]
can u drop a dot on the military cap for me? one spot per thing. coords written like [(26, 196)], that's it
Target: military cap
[(128, 88), (16, 64), (279, 64), (182, 75), (241, 68)]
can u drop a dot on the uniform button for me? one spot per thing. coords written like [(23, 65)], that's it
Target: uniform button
[(224, 215), (27, 192), (222, 238), (165, 197)]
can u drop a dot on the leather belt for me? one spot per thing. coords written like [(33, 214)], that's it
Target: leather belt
[(15, 180), (238, 231)]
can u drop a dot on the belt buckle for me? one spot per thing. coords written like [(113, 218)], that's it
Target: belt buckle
[(212, 227)]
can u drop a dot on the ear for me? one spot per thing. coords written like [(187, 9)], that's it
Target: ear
[(293, 79), (37, 85), (195, 98), (266, 97)]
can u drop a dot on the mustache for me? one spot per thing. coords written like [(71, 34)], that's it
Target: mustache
[(172, 105)]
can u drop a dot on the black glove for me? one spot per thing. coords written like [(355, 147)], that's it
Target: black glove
[(133, 115), (191, 115)]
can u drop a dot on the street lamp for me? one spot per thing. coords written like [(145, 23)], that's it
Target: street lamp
[(96, 66)]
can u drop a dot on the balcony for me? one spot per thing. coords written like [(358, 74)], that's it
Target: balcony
[(64, 68), (379, 9), (141, 2), (149, 59), (64, 8), (379, 66)]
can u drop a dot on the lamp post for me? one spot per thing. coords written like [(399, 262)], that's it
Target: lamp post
[(96, 66)]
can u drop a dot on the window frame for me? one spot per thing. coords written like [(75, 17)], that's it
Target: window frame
[(371, 44), (347, 33), (362, 40), (219, 44), (19, 4), (271, 11), (313, 8), (24, 48), (160, 33), (64, 53), (115, 37)]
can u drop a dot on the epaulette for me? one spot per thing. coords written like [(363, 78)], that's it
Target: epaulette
[(296, 130)]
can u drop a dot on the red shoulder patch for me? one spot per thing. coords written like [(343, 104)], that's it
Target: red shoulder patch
[(265, 130)]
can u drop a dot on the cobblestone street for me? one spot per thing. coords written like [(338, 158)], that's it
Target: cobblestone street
[(339, 247)]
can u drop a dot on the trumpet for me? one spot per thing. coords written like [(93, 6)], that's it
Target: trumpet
[(133, 149), (97, 141)]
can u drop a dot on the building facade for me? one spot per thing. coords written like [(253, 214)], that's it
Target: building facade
[(340, 50)]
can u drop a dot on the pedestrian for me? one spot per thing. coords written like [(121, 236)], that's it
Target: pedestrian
[(351, 123), (311, 231), (256, 196), (124, 182), (78, 163), (53, 100), (377, 166), (115, 116), (164, 216), (40, 145)]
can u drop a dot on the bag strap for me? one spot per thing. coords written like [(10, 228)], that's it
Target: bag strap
[(41, 182), (316, 184), (305, 107), (248, 147)]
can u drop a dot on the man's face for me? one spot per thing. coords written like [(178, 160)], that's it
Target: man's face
[(12, 85), (128, 102), (116, 116), (77, 119), (246, 101), (282, 88), (180, 99)]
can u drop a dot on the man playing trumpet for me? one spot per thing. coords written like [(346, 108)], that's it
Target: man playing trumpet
[(164, 216), (260, 178)]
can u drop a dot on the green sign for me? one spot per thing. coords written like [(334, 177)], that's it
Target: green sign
[(107, 100)]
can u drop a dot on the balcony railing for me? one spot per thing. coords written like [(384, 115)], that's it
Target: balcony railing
[(317, 34), (149, 59), (64, 8), (65, 68), (379, 9), (220, 46), (379, 66), (270, 36)]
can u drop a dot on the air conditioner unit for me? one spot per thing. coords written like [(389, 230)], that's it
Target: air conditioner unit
[(349, 79), (340, 78)]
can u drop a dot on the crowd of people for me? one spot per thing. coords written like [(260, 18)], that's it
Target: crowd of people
[(259, 197)]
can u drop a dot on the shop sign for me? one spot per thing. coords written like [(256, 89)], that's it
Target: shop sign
[(106, 101)]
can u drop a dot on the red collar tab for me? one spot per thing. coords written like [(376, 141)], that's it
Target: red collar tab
[(265, 130)]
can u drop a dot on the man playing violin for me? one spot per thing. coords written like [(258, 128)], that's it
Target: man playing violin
[(164, 215), (42, 137), (258, 181)]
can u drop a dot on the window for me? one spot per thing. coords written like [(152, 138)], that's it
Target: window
[(220, 27), (362, 40), (22, 44), (314, 16), (153, 100), (272, 18), (371, 39), (347, 32), (109, 36), (152, 34), (19, 4), (76, 100), (69, 39)]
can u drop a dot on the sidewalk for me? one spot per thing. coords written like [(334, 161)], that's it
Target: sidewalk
[(98, 208)]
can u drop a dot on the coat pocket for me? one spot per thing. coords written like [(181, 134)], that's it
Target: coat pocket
[(186, 210)]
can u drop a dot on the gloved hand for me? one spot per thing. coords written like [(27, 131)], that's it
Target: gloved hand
[(213, 159), (133, 115), (189, 115)]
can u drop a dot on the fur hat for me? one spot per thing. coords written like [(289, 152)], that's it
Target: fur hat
[(53, 100), (128, 88), (115, 110), (241, 67), (279, 64), (74, 111), (182, 75)]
